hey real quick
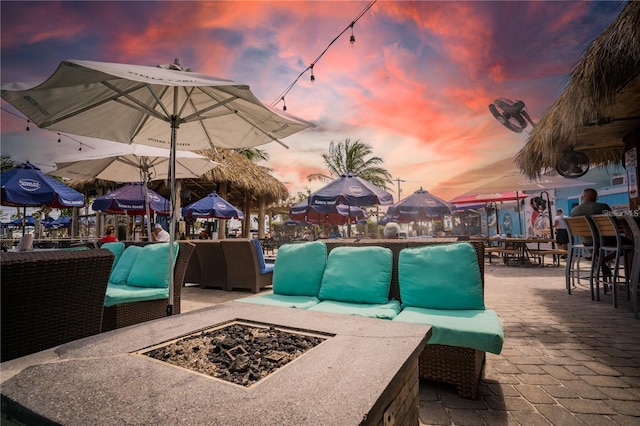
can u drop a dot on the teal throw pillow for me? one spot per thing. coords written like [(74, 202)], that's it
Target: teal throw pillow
[(357, 275), (298, 269), (152, 266), (115, 248), (440, 276), (120, 274)]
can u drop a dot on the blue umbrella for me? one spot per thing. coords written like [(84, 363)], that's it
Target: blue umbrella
[(212, 206), (350, 190), (63, 221), (29, 221), (130, 199), (418, 207), (333, 214), (27, 186)]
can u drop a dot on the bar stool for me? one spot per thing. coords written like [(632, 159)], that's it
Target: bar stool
[(632, 226), (578, 228), (611, 243)]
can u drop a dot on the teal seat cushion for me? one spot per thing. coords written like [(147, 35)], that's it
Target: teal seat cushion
[(441, 276), (151, 268), (116, 248), (280, 300), (120, 273), (387, 310), (471, 328), (357, 275), (299, 268), (118, 294)]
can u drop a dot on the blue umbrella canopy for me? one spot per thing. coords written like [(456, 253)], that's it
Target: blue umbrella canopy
[(333, 214), (63, 221), (419, 206), (28, 221), (130, 199), (350, 190), (212, 206), (27, 186)]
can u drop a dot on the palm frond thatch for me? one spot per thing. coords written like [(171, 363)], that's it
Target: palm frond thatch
[(600, 105)]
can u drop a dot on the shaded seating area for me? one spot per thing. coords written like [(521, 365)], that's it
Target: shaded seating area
[(51, 297)]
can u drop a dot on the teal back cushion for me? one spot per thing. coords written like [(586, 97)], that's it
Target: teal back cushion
[(357, 275), (299, 268), (116, 249), (152, 266), (120, 273), (440, 276)]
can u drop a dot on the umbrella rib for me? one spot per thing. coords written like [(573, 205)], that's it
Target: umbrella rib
[(143, 108)]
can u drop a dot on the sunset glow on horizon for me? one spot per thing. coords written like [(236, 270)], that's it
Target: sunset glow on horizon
[(415, 85)]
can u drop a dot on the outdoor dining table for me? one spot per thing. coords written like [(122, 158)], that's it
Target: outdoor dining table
[(518, 248)]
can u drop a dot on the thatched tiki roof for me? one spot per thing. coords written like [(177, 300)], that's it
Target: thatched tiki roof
[(600, 105)]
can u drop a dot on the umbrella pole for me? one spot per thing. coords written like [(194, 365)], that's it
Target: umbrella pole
[(519, 215), (172, 180), (145, 170)]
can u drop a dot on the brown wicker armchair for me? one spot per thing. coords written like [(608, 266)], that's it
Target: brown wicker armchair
[(51, 297), (243, 270), (126, 314), (458, 366), (212, 267)]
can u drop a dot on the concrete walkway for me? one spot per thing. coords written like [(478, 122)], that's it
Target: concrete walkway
[(566, 360)]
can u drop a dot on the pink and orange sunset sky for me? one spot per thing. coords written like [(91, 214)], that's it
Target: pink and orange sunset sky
[(415, 85)]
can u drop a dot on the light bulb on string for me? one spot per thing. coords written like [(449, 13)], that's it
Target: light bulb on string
[(284, 106), (58, 137), (313, 77), (352, 39), (28, 121), (80, 149)]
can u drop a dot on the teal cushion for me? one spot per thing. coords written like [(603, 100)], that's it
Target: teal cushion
[(152, 266), (387, 310), (118, 294), (116, 249), (298, 269), (472, 328), (300, 302), (440, 276), (357, 275), (120, 274)]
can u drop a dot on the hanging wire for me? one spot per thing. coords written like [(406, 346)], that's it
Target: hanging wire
[(82, 144), (310, 67)]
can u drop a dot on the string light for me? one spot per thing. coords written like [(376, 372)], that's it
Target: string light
[(284, 104), (28, 121), (80, 149), (58, 137), (352, 40)]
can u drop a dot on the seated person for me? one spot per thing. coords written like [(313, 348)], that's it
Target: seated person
[(108, 236), (159, 234), (335, 233), (391, 230)]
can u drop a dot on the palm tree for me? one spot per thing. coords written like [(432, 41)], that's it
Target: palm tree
[(6, 163), (351, 156), (254, 154)]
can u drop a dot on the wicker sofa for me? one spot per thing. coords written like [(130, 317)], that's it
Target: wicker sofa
[(454, 364), (51, 297), (126, 314)]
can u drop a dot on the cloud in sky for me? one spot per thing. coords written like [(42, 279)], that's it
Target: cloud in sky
[(415, 85)]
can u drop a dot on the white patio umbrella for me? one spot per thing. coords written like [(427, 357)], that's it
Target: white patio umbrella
[(150, 105), (133, 163)]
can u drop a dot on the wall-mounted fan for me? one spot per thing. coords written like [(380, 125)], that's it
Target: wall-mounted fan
[(513, 115), (572, 164)]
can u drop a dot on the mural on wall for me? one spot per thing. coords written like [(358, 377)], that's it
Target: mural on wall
[(538, 220)]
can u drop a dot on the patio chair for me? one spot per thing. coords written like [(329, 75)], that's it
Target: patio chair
[(611, 244), (213, 267), (244, 266), (634, 229), (579, 228)]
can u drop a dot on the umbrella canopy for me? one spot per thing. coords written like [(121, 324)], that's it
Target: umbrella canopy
[(150, 106), (212, 206), (419, 206), (517, 181), (63, 221), (350, 190), (291, 222), (28, 221), (27, 186), (130, 199), (330, 214), (130, 163)]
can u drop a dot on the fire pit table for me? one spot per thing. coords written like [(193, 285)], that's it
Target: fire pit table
[(358, 371)]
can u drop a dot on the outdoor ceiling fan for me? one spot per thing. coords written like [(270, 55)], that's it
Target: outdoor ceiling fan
[(513, 115)]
